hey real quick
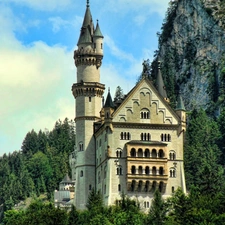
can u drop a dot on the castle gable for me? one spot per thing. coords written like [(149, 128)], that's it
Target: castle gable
[(145, 105)]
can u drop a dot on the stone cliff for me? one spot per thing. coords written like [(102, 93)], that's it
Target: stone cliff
[(192, 51)]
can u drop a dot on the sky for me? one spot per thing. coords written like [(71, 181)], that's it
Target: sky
[(37, 40)]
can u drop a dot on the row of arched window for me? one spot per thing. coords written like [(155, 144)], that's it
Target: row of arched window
[(142, 186), (81, 146), (166, 137), (147, 153), (145, 137), (125, 136), (119, 170), (147, 170), (172, 172), (118, 153), (145, 115)]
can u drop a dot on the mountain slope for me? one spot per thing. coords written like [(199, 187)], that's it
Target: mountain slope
[(192, 51)]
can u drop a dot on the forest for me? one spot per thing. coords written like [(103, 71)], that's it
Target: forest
[(43, 161)]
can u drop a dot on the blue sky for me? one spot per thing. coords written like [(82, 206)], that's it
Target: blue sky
[(37, 40)]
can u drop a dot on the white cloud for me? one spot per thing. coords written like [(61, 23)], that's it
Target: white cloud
[(116, 51), (58, 23), (35, 85)]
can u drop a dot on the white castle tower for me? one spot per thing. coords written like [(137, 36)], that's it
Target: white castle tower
[(88, 92)]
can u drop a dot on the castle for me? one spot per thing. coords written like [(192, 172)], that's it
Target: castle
[(132, 146)]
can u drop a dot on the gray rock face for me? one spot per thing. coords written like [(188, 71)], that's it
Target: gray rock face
[(194, 43)]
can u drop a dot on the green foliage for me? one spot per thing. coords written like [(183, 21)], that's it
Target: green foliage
[(158, 210), (37, 213), (95, 202), (202, 154), (167, 26), (40, 165), (73, 217), (118, 94)]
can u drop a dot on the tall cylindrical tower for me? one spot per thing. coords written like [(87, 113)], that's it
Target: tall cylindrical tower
[(88, 92)]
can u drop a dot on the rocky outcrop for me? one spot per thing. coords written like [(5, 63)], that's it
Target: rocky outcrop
[(192, 50)]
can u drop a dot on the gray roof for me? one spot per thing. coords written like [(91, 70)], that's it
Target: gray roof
[(180, 103), (109, 102), (160, 83), (138, 142), (66, 179), (98, 32)]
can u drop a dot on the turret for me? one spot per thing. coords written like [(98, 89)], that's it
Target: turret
[(160, 83), (98, 41), (181, 112), (88, 92), (108, 110), (88, 56)]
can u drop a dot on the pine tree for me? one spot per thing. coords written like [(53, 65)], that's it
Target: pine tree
[(157, 212)]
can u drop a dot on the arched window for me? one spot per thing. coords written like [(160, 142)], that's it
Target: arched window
[(172, 155), (140, 186), (133, 170), (81, 146), (117, 154), (172, 172), (133, 152), (173, 189), (140, 170), (133, 184), (153, 170), (161, 186), (90, 187), (147, 153), (154, 153), (147, 170), (149, 137), (125, 136), (117, 171), (162, 137), (140, 152), (144, 114), (81, 173), (161, 171), (145, 136), (154, 185), (119, 187), (121, 171), (161, 153), (147, 184)]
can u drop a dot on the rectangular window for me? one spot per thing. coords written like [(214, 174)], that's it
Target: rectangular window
[(89, 99)]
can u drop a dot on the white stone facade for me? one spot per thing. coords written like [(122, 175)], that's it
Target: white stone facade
[(133, 148)]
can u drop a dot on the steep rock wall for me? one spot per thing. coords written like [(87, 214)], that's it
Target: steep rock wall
[(192, 51)]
